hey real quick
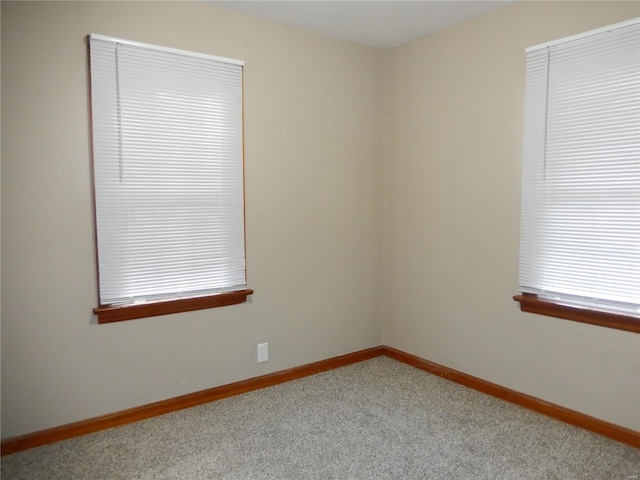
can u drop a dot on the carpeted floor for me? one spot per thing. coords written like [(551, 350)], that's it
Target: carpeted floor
[(378, 419)]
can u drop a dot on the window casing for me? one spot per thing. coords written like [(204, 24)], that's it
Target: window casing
[(168, 179), (580, 222)]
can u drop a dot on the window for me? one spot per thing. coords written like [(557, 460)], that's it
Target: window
[(168, 179), (580, 224)]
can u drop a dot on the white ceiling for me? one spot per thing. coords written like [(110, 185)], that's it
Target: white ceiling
[(382, 24)]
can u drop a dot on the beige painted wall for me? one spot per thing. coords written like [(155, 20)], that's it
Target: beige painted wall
[(321, 186), (452, 216), (314, 155)]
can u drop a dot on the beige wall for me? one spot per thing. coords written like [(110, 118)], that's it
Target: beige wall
[(321, 186), (314, 152), (452, 216)]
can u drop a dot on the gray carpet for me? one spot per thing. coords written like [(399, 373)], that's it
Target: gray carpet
[(378, 419)]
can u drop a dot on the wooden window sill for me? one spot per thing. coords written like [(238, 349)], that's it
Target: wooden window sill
[(118, 313), (532, 304)]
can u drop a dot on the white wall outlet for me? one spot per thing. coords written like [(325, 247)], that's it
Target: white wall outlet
[(263, 352)]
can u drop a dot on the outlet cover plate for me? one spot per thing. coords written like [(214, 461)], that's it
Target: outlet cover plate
[(263, 352)]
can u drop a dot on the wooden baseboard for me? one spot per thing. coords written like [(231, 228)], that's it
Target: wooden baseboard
[(43, 437), (610, 430), (92, 425)]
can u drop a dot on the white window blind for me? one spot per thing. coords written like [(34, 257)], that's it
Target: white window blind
[(168, 172), (580, 225)]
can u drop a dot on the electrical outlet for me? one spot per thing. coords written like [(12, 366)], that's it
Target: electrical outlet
[(263, 352)]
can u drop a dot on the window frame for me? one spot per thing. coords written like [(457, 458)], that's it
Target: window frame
[(117, 313), (109, 313), (531, 303)]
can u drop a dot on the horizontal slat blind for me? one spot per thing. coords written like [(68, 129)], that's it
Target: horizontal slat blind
[(167, 141), (580, 230)]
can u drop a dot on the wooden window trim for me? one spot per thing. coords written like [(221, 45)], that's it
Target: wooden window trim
[(531, 303), (117, 313)]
